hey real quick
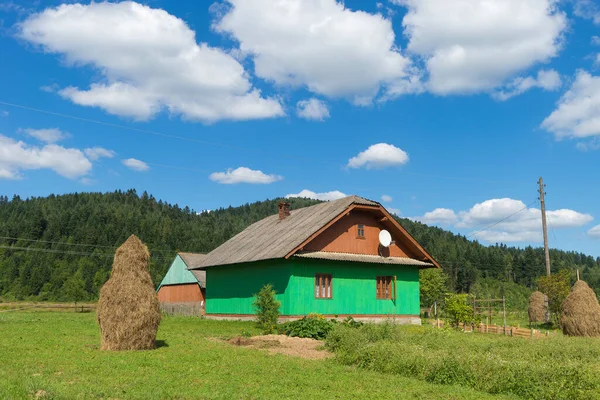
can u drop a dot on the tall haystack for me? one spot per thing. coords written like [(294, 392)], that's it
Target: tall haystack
[(537, 307), (581, 312), (128, 311)]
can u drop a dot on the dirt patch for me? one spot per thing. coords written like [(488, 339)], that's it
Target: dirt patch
[(282, 344)]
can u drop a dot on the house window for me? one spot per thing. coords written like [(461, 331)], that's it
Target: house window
[(361, 231), (386, 287), (323, 286)]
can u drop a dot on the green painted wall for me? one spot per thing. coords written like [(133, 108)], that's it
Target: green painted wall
[(230, 289), (354, 288), (178, 274)]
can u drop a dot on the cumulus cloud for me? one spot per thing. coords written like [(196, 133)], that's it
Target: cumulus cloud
[(136, 165), (96, 153), (595, 232), (48, 135), (244, 175), (324, 196), (548, 80), (477, 45), (149, 60), (321, 45), (386, 198), (591, 145), (442, 216), (312, 109), (379, 155), (523, 225), (578, 111), (393, 210), (588, 9), (17, 156)]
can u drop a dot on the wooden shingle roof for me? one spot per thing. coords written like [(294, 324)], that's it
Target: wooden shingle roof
[(272, 238)]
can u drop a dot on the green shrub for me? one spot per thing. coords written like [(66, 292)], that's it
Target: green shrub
[(313, 326), (267, 309), (458, 309), (554, 368)]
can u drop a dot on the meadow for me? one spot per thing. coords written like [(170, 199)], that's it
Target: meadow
[(55, 355), (554, 367)]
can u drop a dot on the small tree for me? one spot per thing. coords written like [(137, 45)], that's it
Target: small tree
[(267, 309), (458, 309), (557, 287), (74, 288), (433, 285)]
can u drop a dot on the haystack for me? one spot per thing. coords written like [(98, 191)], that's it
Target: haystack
[(581, 312), (128, 311), (537, 307)]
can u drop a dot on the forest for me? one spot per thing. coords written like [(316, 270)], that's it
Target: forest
[(60, 248)]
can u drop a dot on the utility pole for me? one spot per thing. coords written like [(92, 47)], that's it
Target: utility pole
[(544, 227)]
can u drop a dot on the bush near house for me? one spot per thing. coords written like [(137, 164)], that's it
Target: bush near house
[(267, 309), (315, 326)]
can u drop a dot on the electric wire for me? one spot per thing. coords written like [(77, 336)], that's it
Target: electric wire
[(225, 145), (500, 221)]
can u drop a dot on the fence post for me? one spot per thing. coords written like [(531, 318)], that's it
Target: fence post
[(504, 311)]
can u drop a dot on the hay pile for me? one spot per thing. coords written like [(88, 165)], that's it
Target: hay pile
[(128, 311), (581, 312), (537, 307)]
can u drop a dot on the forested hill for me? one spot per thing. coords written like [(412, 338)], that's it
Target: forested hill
[(61, 247)]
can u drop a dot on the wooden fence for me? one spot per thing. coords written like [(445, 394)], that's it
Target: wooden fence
[(75, 307), (186, 309), (514, 331)]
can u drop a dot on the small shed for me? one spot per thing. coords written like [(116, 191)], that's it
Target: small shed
[(182, 286)]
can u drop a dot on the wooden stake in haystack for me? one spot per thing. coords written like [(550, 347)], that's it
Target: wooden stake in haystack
[(537, 307), (128, 311), (581, 312)]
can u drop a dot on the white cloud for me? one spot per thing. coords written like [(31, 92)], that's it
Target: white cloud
[(136, 164), (320, 45), (386, 198), (595, 40), (96, 153), (591, 145), (324, 196), (313, 109), (243, 175), (548, 80), (149, 61), (523, 225), (477, 45), (442, 216), (48, 135), (393, 210), (4, 113), (16, 157), (379, 155), (578, 111), (588, 9), (595, 232)]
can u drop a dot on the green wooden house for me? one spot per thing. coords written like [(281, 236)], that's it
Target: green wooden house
[(324, 259)]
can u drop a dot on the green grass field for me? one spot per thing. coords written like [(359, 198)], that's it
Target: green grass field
[(55, 355)]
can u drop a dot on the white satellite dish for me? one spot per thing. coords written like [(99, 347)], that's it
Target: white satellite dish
[(385, 239)]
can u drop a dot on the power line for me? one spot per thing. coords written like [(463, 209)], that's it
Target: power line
[(225, 145), (72, 244), (502, 220), (73, 253)]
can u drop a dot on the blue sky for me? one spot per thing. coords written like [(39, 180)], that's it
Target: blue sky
[(452, 109)]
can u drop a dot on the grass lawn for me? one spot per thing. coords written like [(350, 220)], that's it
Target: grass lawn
[(55, 354)]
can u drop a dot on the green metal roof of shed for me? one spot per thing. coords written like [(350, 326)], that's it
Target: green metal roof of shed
[(178, 273)]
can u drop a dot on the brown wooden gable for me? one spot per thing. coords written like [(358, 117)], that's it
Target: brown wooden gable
[(341, 236)]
